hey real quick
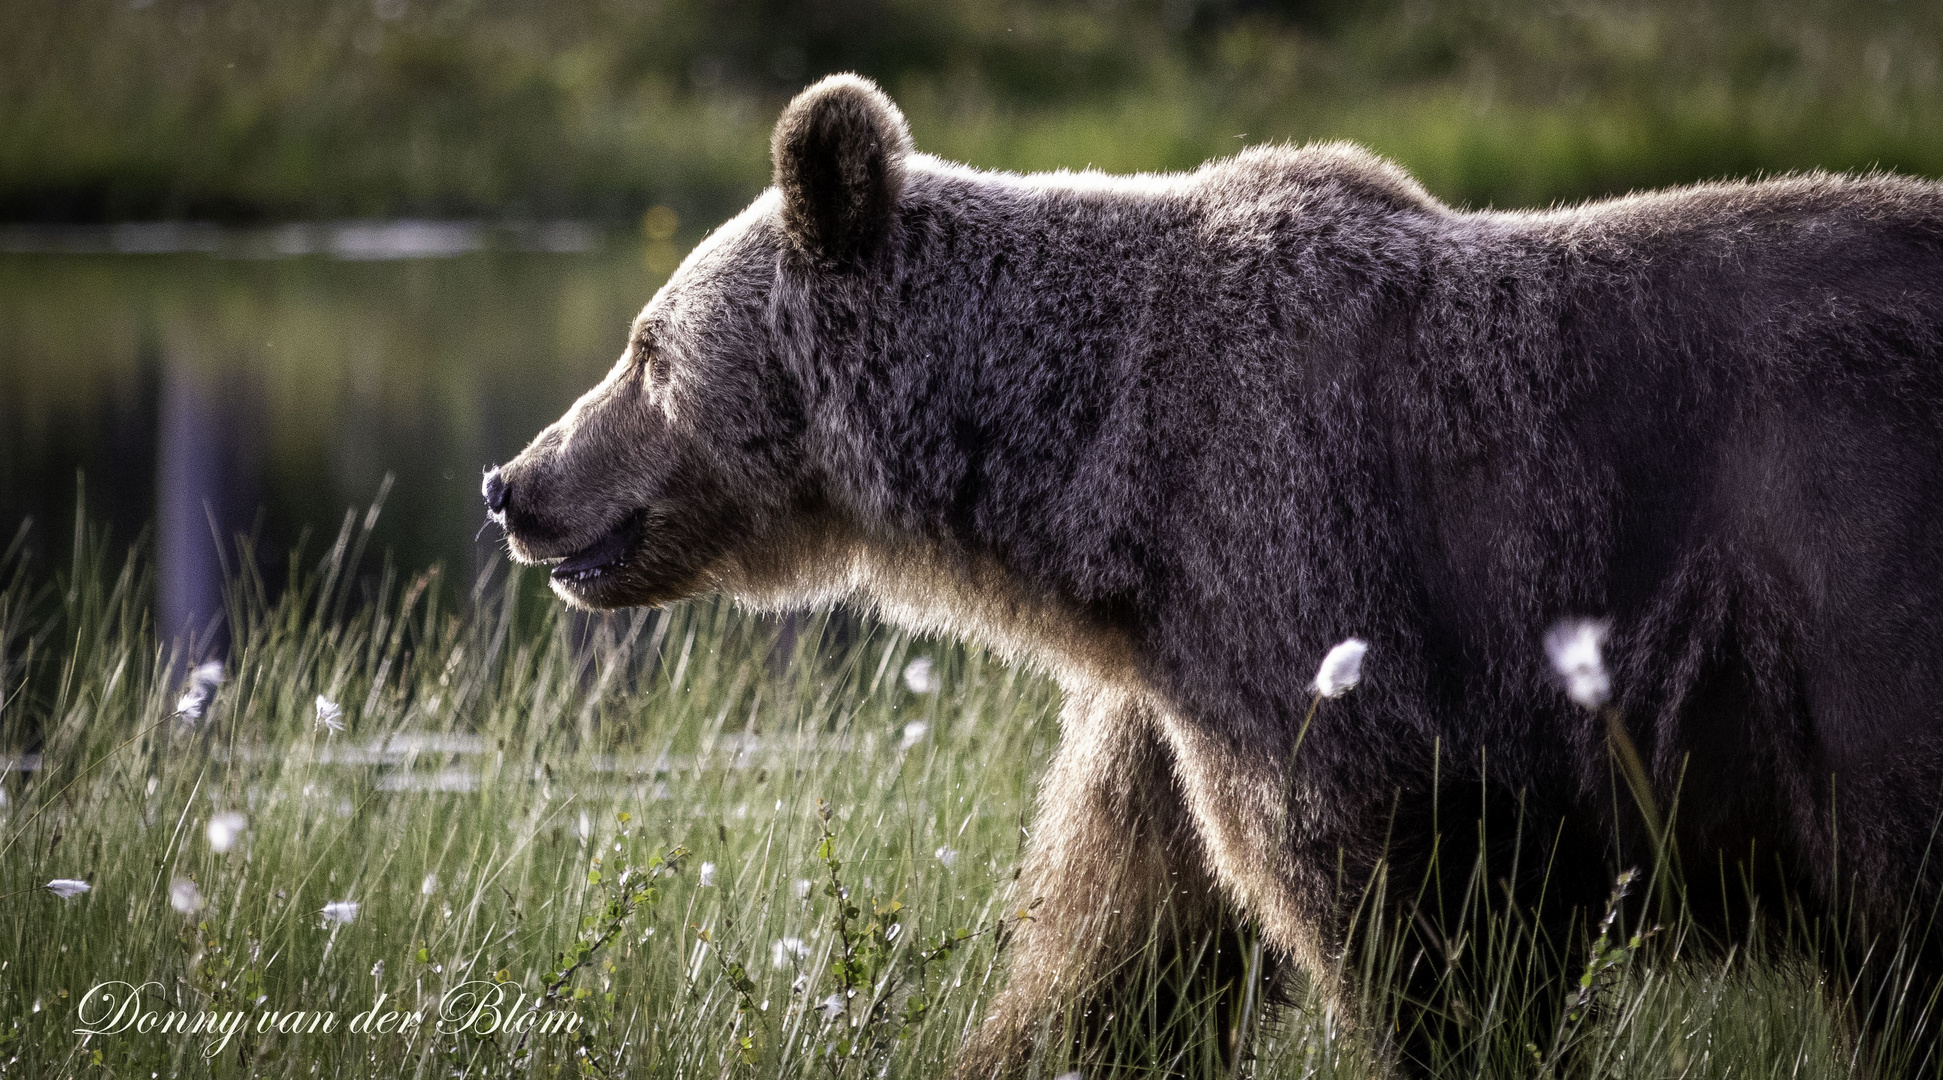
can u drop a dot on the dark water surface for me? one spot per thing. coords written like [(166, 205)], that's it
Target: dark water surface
[(210, 383)]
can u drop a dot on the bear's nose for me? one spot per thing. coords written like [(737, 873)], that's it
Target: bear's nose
[(496, 491)]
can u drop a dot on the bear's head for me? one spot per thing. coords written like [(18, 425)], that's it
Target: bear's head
[(687, 469)]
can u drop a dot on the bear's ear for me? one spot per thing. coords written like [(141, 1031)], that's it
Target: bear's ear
[(839, 157)]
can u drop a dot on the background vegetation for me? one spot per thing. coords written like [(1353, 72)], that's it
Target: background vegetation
[(234, 109)]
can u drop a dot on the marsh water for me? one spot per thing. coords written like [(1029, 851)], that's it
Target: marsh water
[(188, 384)]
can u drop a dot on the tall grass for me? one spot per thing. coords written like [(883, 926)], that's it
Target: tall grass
[(723, 852), (488, 757)]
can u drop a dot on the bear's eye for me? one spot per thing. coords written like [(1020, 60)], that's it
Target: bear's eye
[(650, 361), (649, 364), (644, 358)]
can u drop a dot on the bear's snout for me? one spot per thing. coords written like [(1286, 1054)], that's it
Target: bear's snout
[(525, 528), (512, 503), (496, 491), (547, 516)]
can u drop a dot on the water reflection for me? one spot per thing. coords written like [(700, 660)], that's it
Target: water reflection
[(206, 488), (354, 240), (213, 384)]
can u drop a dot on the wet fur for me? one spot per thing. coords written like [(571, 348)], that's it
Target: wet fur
[(1171, 437)]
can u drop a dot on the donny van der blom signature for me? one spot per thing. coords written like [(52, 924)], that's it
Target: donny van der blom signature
[(478, 1007)]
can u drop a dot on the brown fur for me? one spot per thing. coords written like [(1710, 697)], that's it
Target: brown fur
[(1171, 437)]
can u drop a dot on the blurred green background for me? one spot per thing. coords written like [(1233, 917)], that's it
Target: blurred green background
[(246, 111), (256, 257)]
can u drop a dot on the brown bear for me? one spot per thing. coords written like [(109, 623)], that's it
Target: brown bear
[(1171, 437)]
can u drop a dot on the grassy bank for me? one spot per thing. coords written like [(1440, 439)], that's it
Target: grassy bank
[(712, 853), (497, 772), (601, 108)]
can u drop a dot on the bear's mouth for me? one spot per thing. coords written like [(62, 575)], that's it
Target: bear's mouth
[(602, 557)]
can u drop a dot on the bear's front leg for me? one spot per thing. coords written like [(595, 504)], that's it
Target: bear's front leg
[(1114, 865)]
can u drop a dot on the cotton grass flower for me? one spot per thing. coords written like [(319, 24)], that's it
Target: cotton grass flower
[(921, 676), (184, 896), (803, 887), (429, 886), (830, 1007), (204, 678), (330, 715), (946, 856), (68, 888), (1576, 649), (1342, 669), (225, 829), (340, 911), (707, 876), (787, 950), (914, 733)]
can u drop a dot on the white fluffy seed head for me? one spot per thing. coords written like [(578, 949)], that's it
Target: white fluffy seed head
[(184, 896), (340, 911), (787, 951), (1342, 669), (921, 676), (204, 678), (707, 876), (225, 829), (330, 715), (1576, 649), (68, 888)]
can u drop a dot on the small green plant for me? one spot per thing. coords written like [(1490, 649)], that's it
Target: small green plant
[(623, 889), (879, 979), (744, 1037), (1607, 960)]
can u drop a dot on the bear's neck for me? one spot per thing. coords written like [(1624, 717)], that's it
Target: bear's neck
[(929, 587)]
